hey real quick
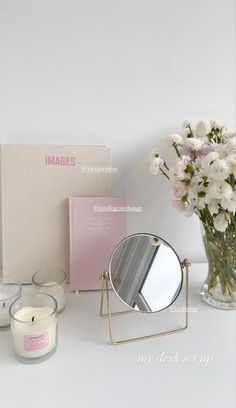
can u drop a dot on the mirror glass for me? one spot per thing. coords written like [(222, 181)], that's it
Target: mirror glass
[(146, 273)]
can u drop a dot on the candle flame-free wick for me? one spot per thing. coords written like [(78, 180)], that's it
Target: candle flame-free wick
[(33, 319)]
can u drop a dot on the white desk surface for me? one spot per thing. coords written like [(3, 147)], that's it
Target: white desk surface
[(86, 371)]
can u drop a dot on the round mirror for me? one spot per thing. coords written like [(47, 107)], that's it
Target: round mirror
[(145, 273)]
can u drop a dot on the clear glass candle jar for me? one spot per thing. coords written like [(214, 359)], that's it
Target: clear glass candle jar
[(51, 281), (9, 292), (34, 327)]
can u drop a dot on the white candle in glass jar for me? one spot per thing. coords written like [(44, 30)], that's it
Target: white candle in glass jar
[(10, 290), (4, 313), (52, 282), (34, 331), (55, 290)]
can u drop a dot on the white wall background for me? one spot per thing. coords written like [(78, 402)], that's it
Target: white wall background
[(123, 73)]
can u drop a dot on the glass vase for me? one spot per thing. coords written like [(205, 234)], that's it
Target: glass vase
[(219, 288)]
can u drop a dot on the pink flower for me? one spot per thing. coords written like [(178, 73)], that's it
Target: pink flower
[(205, 149), (178, 205), (186, 151), (183, 207), (179, 190), (181, 166)]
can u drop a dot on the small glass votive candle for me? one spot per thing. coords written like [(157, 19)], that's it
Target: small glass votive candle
[(34, 327), (51, 281), (9, 292)]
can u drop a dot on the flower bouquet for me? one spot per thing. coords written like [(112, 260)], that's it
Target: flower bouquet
[(204, 183)]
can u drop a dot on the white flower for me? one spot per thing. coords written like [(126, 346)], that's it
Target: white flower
[(155, 166), (219, 170), (213, 206), (231, 144), (187, 132), (203, 128), (175, 139), (219, 189), (199, 177), (229, 203), (198, 194), (172, 175), (153, 154), (223, 152), (208, 159), (220, 222), (193, 143), (154, 241), (186, 124), (217, 124), (227, 136), (231, 161)]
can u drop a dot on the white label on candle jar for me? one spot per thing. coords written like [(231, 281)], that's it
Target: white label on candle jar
[(36, 342)]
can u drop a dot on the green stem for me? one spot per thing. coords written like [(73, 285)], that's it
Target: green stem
[(177, 150), (221, 254), (167, 168), (164, 174)]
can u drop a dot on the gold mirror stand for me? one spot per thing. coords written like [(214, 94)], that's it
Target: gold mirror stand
[(105, 291)]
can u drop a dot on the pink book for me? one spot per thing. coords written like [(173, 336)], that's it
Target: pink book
[(97, 225)]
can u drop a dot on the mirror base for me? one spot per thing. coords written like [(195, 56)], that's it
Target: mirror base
[(105, 294)]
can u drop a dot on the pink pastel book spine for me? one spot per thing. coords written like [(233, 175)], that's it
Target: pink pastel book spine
[(95, 230)]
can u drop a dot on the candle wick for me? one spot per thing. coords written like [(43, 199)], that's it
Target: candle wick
[(33, 319), (4, 304)]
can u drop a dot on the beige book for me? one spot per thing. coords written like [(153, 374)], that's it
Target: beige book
[(36, 183)]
